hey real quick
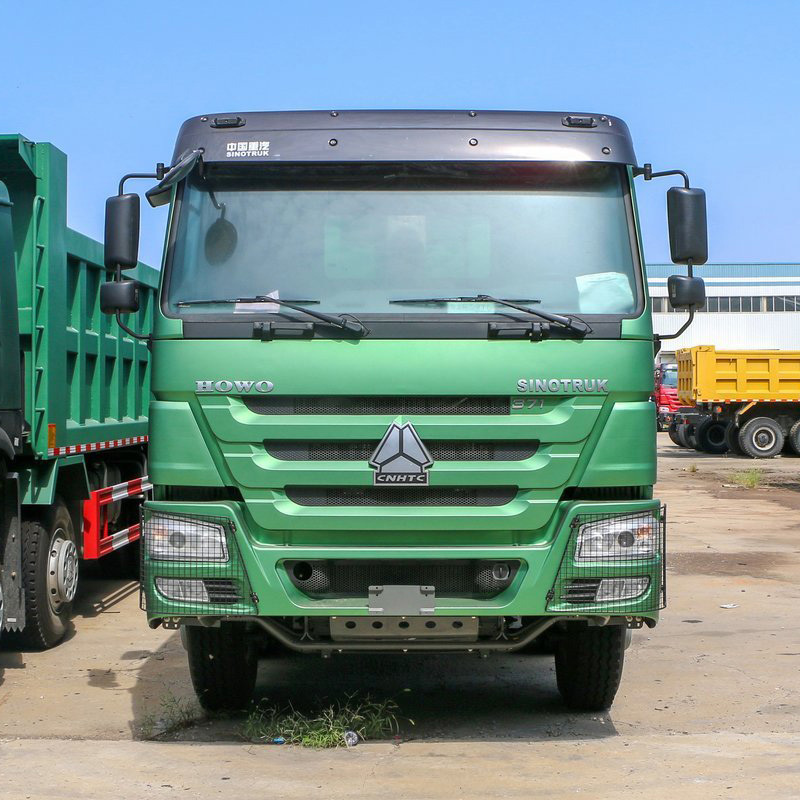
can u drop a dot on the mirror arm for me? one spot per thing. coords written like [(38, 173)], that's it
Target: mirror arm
[(662, 337), (647, 172), (144, 337), (161, 171)]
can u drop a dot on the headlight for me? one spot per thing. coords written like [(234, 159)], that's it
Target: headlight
[(663, 409), (173, 538), (619, 539)]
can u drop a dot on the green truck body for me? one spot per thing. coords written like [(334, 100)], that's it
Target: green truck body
[(383, 461), (74, 394)]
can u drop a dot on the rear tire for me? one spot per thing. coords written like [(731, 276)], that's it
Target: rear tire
[(672, 432), (50, 579), (732, 440), (223, 664), (589, 663), (761, 437), (794, 438), (711, 437), (681, 432), (691, 437)]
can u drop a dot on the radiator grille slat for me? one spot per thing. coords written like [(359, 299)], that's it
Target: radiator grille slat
[(440, 450), (401, 496), (394, 406)]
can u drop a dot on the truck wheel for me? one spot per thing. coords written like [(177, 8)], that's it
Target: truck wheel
[(711, 437), (691, 437), (732, 439), (794, 438), (223, 665), (761, 437), (672, 432), (50, 578), (681, 432), (589, 665)]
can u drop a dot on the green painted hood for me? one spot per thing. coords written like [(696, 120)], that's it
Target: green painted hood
[(577, 439)]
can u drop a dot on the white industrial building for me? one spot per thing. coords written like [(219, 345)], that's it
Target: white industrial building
[(752, 306)]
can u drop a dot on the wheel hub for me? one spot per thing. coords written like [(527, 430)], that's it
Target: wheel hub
[(62, 571), (764, 438)]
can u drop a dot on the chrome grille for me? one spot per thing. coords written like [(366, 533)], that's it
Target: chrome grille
[(440, 450), (405, 496), (392, 406)]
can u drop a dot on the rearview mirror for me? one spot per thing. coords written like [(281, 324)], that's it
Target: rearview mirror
[(685, 292), (122, 296), (122, 231), (688, 229)]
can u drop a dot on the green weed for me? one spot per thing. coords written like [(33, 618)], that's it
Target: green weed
[(323, 728), (749, 478), (175, 715)]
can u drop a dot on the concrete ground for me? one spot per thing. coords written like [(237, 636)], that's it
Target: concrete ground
[(708, 705)]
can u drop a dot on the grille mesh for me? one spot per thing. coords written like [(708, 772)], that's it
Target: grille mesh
[(440, 450), (392, 406), (401, 496), (210, 579), (579, 582), (464, 578)]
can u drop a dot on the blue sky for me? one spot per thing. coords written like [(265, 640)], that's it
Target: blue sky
[(710, 87)]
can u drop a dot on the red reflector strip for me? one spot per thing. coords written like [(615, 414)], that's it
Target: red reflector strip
[(74, 449)]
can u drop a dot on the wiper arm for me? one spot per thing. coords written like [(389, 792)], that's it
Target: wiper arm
[(352, 326), (568, 323)]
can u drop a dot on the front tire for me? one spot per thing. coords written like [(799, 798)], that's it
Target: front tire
[(589, 663), (761, 437), (223, 664)]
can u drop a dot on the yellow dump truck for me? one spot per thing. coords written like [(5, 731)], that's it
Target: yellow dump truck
[(747, 400)]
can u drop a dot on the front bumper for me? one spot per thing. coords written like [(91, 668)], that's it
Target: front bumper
[(259, 583)]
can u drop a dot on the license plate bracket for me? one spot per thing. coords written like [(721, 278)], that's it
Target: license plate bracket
[(400, 601)]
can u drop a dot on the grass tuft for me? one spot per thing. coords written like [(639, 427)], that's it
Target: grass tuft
[(175, 715), (750, 478), (325, 727)]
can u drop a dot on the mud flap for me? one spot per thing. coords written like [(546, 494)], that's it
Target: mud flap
[(11, 550)]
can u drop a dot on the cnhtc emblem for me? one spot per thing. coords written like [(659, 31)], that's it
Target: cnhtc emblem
[(400, 459)]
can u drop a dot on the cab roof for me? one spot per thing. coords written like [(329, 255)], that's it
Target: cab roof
[(392, 136)]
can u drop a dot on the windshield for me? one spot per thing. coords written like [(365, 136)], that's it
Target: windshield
[(350, 238), (669, 378)]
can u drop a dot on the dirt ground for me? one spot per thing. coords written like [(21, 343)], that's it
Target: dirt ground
[(709, 705)]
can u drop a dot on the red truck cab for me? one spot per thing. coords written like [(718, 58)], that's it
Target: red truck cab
[(666, 394)]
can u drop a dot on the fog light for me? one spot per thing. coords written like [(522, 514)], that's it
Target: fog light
[(183, 590), (621, 588)]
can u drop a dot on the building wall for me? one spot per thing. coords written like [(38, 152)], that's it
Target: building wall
[(771, 292)]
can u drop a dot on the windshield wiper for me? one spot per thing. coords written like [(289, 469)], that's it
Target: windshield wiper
[(352, 326), (568, 323)]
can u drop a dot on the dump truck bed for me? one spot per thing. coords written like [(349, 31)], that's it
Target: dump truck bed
[(85, 383), (708, 375)]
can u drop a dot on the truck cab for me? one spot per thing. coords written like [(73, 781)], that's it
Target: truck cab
[(402, 369)]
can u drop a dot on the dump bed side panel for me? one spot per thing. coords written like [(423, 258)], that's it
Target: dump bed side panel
[(708, 375), (84, 382)]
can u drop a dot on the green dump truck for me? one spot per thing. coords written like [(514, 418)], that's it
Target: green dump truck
[(402, 367), (73, 399)]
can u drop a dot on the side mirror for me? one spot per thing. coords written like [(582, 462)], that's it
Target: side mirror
[(122, 231), (685, 292), (688, 229), (122, 296)]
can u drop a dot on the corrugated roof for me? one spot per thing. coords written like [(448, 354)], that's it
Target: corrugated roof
[(727, 270)]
